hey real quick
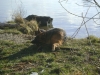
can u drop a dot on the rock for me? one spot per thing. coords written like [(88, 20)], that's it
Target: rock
[(41, 20)]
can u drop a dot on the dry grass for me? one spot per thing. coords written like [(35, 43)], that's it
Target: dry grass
[(16, 38), (29, 27)]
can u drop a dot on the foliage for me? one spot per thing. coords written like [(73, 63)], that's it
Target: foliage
[(29, 27), (93, 39), (18, 15), (75, 57), (7, 30)]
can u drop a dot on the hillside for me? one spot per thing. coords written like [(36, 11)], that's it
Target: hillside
[(20, 57)]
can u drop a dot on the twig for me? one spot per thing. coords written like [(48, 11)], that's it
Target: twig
[(90, 1), (96, 3), (84, 5), (98, 16), (76, 32), (73, 13)]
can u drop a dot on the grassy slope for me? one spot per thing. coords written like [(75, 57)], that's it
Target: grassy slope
[(76, 57)]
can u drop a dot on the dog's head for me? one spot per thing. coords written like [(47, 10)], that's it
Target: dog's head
[(38, 40), (39, 31)]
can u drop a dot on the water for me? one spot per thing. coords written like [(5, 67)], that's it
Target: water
[(52, 8)]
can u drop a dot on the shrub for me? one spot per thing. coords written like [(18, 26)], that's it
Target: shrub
[(29, 27), (18, 18), (93, 39), (18, 14)]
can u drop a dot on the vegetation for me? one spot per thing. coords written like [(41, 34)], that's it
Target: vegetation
[(20, 24), (75, 57), (19, 57)]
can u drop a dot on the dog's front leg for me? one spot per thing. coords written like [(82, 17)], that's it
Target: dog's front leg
[(53, 47)]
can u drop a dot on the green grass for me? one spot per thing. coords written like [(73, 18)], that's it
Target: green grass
[(76, 57), (7, 30)]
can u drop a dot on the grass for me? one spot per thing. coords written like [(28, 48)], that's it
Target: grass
[(28, 27), (19, 57), (18, 24), (76, 57), (13, 31)]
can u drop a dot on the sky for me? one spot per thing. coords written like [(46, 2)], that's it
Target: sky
[(52, 8)]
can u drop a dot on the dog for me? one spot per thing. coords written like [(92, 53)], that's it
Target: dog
[(54, 37), (39, 31)]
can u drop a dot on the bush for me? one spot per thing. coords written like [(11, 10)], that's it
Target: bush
[(17, 17), (93, 39), (18, 14), (29, 27)]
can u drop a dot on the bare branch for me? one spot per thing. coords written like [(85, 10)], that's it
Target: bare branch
[(90, 1), (83, 23), (94, 17), (84, 5), (73, 13), (96, 3)]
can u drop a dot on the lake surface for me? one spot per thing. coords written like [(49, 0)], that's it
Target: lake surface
[(61, 18)]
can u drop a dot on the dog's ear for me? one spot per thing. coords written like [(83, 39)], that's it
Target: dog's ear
[(37, 32)]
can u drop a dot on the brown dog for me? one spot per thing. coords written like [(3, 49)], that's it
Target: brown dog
[(54, 37)]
